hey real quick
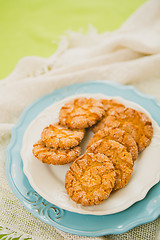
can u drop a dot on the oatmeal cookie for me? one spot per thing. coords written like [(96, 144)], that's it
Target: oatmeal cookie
[(54, 156), (117, 135), (120, 157), (58, 136), (90, 179), (81, 113), (136, 123)]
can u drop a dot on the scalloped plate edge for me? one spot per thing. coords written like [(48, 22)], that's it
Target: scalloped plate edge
[(16, 192)]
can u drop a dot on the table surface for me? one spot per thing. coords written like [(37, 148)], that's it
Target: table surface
[(28, 28)]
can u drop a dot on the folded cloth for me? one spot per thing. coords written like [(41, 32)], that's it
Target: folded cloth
[(130, 54)]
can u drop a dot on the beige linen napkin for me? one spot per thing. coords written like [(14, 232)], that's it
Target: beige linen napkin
[(129, 55)]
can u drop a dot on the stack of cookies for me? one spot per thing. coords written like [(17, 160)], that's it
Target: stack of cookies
[(58, 144), (107, 165)]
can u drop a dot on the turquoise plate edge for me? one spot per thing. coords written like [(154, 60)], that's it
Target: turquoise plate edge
[(67, 91)]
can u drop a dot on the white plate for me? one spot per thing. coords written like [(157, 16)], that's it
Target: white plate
[(48, 180)]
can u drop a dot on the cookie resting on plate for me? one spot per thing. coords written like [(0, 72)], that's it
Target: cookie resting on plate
[(90, 179), (58, 136), (121, 158), (117, 135), (55, 156), (111, 106), (136, 123), (81, 113)]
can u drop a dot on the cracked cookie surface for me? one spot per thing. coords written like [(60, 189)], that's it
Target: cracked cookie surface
[(136, 123), (90, 179), (58, 136), (111, 106), (54, 156), (120, 158), (117, 135), (81, 113)]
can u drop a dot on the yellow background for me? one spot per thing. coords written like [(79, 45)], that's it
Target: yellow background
[(27, 27)]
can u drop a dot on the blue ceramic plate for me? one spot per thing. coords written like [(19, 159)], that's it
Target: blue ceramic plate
[(141, 212)]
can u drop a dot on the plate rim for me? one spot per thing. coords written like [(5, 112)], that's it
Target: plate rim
[(17, 193)]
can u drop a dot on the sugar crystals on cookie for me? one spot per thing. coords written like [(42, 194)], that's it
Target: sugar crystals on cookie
[(81, 113)]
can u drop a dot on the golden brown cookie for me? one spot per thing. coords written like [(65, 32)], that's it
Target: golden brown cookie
[(111, 106), (136, 123), (120, 157), (117, 135), (90, 179), (54, 156), (81, 113), (58, 136)]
